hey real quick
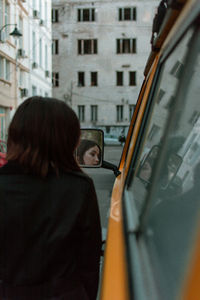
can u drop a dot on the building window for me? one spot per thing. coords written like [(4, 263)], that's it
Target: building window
[(7, 73), (45, 12), (46, 57), (81, 79), (119, 78), (4, 68), (94, 113), (7, 18), (94, 79), (34, 90), (55, 15), (86, 15), (195, 117), (55, 79), (2, 127), (21, 78), (131, 111), (132, 78), (81, 113), (127, 14), (1, 66), (153, 132), (160, 95), (40, 46), (177, 69), (20, 43), (40, 8), (170, 103), (120, 113), (1, 13), (34, 4), (87, 46), (34, 46), (55, 47), (126, 46)]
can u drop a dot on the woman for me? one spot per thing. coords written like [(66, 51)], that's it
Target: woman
[(50, 228), (88, 153)]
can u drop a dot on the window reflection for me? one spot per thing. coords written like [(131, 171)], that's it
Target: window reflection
[(174, 210), (163, 105)]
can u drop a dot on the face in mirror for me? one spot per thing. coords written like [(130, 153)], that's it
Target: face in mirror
[(90, 150)]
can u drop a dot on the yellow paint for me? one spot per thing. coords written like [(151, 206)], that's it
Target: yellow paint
[(115, 281), (191, 288)]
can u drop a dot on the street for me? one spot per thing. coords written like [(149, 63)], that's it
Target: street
[(103, 181)]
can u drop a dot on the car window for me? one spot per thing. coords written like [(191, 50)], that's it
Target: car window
[(174, 211), (166, 184), (157, 118)]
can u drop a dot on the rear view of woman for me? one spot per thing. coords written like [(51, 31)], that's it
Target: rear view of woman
[(50, 233)]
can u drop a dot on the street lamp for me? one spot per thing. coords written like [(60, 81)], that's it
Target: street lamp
[(15, 33)]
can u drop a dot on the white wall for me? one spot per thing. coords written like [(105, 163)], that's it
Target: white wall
[(106, 29)]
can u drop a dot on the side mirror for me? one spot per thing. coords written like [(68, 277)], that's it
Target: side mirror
[(169, 171), (145, 170), (89, 153), (173, 164)]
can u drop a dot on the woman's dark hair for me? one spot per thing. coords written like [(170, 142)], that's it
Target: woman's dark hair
[(43, 133), (83, 147)]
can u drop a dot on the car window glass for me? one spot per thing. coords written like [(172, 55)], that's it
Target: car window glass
[(157, 118), (173, 214)]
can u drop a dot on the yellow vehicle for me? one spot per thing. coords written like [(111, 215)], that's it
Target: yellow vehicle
[(153, 244)]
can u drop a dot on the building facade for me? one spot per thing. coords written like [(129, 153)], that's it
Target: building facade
[(40, 48), (24, 60), (99, 53)]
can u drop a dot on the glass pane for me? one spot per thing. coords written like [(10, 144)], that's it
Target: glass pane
[(1, 13), (126, 45), (7, 70), (127, 14), (86, 14), (174, 212), (157, 119)]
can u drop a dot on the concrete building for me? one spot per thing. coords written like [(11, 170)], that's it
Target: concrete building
[(40, 48), (24, 62), (100, 49)]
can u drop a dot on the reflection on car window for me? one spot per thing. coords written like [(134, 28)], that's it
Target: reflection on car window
[(163, 104), (174, 212), (169, 225)]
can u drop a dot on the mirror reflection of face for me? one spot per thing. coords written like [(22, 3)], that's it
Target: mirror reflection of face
[(91, 156)]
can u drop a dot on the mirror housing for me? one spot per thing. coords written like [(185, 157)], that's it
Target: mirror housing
[(90, 150)]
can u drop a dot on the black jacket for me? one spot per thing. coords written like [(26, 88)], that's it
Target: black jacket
[(50, 233)]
